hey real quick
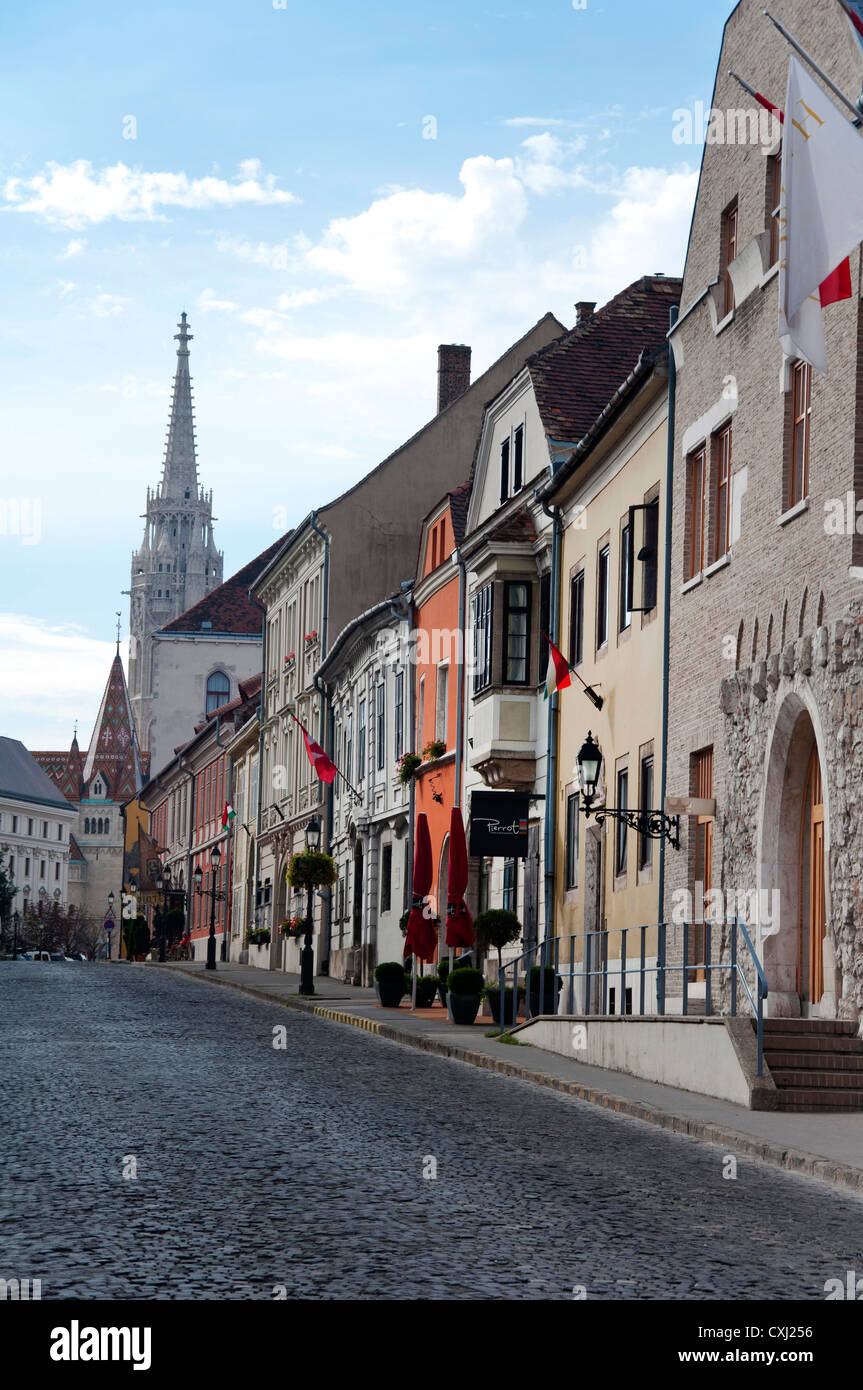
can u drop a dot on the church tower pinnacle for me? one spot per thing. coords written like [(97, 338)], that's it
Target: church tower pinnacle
[(177, 563)]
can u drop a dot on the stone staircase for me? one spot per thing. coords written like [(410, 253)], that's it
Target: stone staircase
[(816, 1063)]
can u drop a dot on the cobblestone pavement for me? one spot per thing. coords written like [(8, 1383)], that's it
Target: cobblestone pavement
[(303, 1168)]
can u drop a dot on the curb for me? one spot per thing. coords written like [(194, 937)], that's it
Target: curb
[(790, 1160)]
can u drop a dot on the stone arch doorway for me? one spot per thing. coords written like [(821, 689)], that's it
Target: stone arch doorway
[(359, 884), (794, 854), (278, 942)]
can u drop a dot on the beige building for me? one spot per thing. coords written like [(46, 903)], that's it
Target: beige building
[(610, 497), (765, 715)]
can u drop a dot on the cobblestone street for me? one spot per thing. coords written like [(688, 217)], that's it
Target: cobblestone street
[(303, 1168)]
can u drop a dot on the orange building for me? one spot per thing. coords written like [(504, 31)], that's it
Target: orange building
[(439, 677)]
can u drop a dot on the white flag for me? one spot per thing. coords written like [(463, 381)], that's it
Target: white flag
[(821, 210)]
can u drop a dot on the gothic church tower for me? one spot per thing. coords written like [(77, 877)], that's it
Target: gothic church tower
[(177, 563)]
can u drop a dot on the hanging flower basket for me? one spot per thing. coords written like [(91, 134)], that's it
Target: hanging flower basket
[(312, 869), (408, 764), (293, 927)]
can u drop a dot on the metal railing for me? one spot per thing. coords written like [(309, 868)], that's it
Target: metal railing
[(592, 976)]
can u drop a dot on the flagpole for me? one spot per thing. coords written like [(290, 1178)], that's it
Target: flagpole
[(819, 71)]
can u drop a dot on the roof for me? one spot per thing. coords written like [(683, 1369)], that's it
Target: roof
[(76, 855), (114, 746), (519, 526), (228, 609), (22, 777), (458, 505), (574, 377)]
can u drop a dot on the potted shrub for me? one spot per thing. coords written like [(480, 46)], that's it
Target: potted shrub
[(442, 971), (491, 993), (435, 749), (426, 990), (464, 992), (551, 989), (390, 983), (408, 764)]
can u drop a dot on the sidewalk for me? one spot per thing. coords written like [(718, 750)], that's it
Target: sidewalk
[(829, 1147)]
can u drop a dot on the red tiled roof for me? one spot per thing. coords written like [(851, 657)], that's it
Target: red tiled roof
[(228, 609), (575, 376), (518, 527), (75, 854), (458, 505)]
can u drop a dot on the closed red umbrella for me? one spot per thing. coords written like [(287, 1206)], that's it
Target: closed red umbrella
[(421, 937), (459, 924)]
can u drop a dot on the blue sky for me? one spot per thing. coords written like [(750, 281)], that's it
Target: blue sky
[(329, 190)]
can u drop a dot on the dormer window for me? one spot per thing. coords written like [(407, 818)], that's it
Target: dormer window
[(218, 690), (99, 789)]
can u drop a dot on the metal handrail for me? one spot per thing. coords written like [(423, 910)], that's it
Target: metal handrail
[(547, 955)]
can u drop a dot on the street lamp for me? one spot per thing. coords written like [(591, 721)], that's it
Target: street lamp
[(651, 824), (164, 882), (214, 896), (108, 925), (307, 955)]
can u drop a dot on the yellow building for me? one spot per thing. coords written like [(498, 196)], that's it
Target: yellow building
[(611, 501)]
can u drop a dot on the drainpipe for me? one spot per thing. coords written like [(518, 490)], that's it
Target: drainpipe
[(551, 737), (325, 603), (666, 610), (459, 702)]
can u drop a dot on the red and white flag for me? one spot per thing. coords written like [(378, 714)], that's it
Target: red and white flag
[(324, 766), (821, 210), (558, 676)]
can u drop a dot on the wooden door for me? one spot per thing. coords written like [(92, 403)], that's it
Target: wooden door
[(813, 915)]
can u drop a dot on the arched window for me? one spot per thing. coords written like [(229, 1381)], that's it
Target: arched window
[(86, 825), (100, 825), (218, 690)]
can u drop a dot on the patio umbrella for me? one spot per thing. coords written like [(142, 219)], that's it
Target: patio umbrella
[(459, 925), (421, 937)]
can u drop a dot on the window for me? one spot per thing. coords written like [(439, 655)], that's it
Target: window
[(218, 690), (694, 519), (434, 548), (30, 819), (349, 742), (86, 825), (510, 885), (441, 701), (729, 252), (576, 619), (645, 803), (801, 410), (544, 618), (381, 733), (702, 785), (518, 460), (620, 826), (722, 492), (504, 470), (59, 832), (651, 557), (571, 862), (625, 612), (482, 619), (602, 597), (56, 873), (44, 830), (42, 869), (774, 198), (399, 714), (421, 713), (14, 825), (517, 632), (361, 742), (26, 868), (386, 877)]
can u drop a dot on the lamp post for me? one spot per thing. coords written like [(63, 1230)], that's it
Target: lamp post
[(307, 955), (163, 882), (652, 824), (214, 896), (108, 924)]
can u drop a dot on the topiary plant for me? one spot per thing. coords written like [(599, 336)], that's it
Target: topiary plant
[(389, 970), (465, 981), (498, 928)]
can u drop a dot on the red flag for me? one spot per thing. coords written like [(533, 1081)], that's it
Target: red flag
[(558, 675), (837, 286), (324, 766), (854, 11)]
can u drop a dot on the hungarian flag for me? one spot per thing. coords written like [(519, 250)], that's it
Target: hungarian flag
[(228, 814), (558, 675), (837, 285), (324, 767), (821, 210)]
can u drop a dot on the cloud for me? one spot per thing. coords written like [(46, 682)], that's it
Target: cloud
[(647, 228), (403, 235), (272, 256), (50, 675), (543, 121), (543, 167), (208, 303), (76, 195), (73, 248), (104, 306)]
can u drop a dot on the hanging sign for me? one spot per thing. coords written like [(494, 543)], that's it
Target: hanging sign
[(498, 824)]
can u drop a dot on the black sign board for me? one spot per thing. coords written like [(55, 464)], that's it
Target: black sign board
[(498, 824)]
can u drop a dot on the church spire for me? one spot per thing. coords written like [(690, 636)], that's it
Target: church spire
[(180, 471)]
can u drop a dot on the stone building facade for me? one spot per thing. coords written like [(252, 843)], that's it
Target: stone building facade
[(764, 684)]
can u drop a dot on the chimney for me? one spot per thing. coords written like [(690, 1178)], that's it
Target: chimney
[(584, 310), (453, 373)]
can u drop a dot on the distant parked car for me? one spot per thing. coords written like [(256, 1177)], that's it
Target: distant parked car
[(37, 955), (57, 956), (77, 956)]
